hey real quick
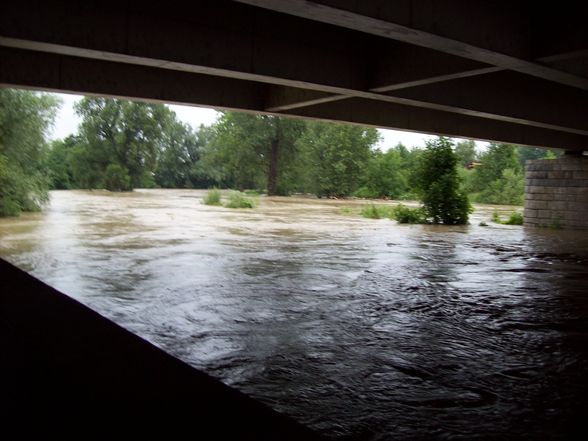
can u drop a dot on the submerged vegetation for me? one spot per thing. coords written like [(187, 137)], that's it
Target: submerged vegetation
[(122, 145), (239, 200), (213, 197), (515, 218), (407, 215)]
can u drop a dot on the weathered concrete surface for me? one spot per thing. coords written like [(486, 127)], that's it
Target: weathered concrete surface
[(64, 363), (556, 193)]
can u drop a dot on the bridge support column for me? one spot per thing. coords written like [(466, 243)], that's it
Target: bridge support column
[(556, 192)]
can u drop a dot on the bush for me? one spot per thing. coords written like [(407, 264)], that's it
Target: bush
[(213, 197), (439, 185), (515, 218), (508, 190), (238, 200), (406, 215)]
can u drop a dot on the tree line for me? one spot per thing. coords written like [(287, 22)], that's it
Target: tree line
[(121, 145)]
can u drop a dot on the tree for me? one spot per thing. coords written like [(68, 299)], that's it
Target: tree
[(178, 160), (527, 153), (126, 133), (438, 184), (116, 178), (59, 165), (488, 183), (385, 176), (465, 152), (253, 151), (25, 118), (336, 156)]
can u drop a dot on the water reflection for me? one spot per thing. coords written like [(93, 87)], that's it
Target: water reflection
[(361, 328)]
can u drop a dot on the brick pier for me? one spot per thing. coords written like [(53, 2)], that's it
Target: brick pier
[(556, 192)]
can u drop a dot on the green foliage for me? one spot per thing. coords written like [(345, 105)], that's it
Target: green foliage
[(213, 197), (128, 134), (385, 176), (506, 190), (116, 178), (528, 153), (254, 151), (439, 186), (238, 200), (346, 211), (515, 218), (373, 211), (59, 163), (336, 156), (407, 215), (25, 118), (178, 163), (499, 179), (466, 152)]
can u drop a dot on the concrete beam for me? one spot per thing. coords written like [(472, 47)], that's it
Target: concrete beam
[(218, 38), (286, 101), (396, 116), (520, 98), (52, 72), (327, 63), (61, 73), (420, 34)]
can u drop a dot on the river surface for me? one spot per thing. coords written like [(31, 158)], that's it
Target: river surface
[(362, 329)]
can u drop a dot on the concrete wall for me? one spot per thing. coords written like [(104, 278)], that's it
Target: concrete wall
[(556, 193)]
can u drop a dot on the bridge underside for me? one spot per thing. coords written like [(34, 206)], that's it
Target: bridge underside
[(506, 71)]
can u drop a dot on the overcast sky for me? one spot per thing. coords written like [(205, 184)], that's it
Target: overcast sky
[(67, 122)]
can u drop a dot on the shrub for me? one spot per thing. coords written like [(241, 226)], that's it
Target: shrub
[(438, 185), (213, 197), (406, 215), (508, 190), (515, 218), (238, 200)]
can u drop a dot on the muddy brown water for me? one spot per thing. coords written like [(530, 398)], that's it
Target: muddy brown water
[(362, 329)]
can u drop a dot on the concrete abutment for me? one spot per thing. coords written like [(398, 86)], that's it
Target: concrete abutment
[(556, 192)]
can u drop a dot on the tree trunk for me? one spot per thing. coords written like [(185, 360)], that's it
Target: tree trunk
[(272, 175)]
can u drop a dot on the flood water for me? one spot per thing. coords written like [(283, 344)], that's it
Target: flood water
[(361, 329)]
